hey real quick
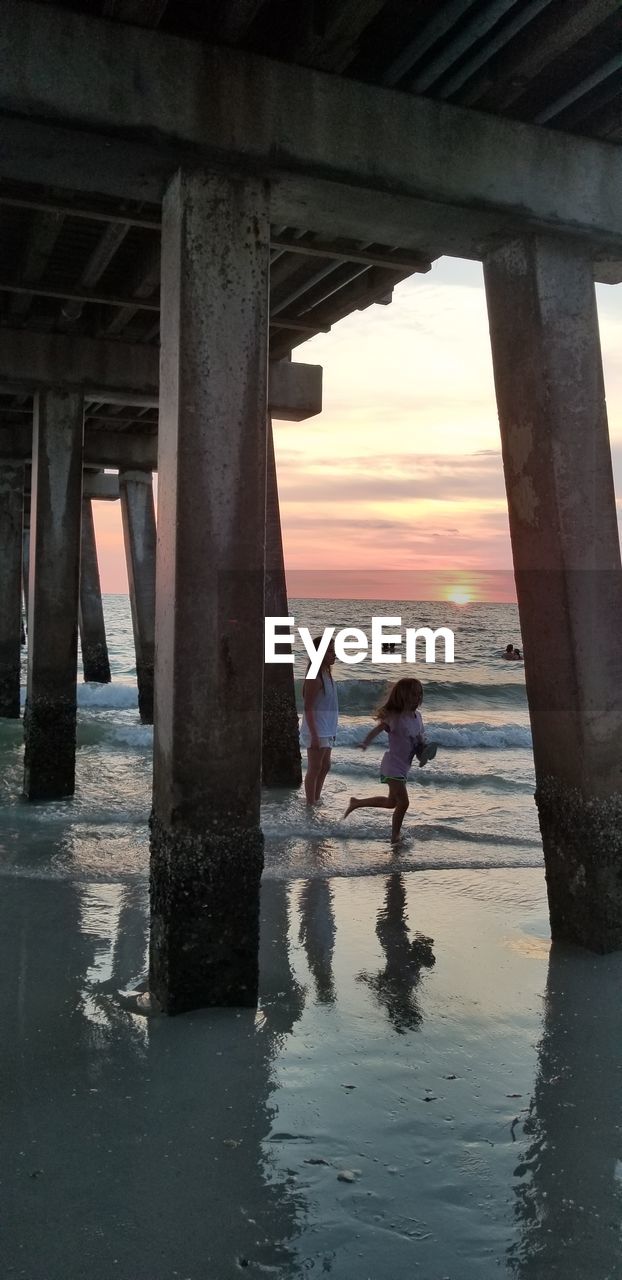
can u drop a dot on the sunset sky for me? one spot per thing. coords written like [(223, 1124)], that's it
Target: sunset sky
[(402, 471)]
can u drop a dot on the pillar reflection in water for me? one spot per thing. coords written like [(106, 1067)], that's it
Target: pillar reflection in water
[(569, 1191), (395, 986), (282, 998), (156, 1134), (317, 934)]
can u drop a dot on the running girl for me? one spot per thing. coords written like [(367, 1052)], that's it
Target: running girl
[(400, 717)]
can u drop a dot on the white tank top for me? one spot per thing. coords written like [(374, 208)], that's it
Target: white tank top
[(326, 712)]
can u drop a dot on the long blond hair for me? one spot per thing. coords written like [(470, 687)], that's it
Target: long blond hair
[(403, 698)]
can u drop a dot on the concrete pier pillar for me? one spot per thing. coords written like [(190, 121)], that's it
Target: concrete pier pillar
[(11, 504), (139, 536), (206, 844), (95, 663), (557, 463), (26, 558), (281, 743), (56, 501)]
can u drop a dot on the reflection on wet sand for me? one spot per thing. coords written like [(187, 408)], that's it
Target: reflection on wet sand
[(146, 1135), (569, 1192), (113, 916), (211, 1145), (317, 934), (395, 986)]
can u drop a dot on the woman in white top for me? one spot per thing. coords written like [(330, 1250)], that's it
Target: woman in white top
[(319, 724)]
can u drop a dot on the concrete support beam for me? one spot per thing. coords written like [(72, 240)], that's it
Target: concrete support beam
[(128, 450), (56, 500), (288, 120), (424, 227), (333, 209), (101, 369), (95, 484), (11, 507), (207, 846), (101, 448), (139, 536), (99, 487), (281, 765), (557, 463), (294, 390), (95, 662), (120, 449), (128, 372)]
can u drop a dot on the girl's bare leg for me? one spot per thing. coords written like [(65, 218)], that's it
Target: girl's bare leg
[(317, 768), (324, 768), (314, 764), (399, 803), (374, 802), (397, 800)]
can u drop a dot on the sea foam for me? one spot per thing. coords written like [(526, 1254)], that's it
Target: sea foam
[(457, 737)]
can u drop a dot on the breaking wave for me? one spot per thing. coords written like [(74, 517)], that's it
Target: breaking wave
[(457, 737), (364, 695)]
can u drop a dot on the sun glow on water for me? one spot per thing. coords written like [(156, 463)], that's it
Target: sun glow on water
[(459, 595)]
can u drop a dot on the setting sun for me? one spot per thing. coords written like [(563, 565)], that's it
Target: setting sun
[(459, 595)]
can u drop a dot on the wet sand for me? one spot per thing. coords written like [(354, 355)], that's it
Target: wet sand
[(380, 1116)]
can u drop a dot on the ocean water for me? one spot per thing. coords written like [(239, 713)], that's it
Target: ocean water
[(472, 807)]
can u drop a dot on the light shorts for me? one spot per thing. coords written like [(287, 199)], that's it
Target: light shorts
[(394, 777), (325, 742)]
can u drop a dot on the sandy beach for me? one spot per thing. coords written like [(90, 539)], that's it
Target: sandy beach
[(380, 1116)]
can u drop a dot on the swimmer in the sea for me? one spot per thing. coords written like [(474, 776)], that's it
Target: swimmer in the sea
[(511, 653)]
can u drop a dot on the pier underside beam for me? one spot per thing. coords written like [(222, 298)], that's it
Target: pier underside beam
[(11, 507), (139, 536), (127, 372), (207, 845), (56, 501), (100, 487), (497, 175), (101, 368), (281, 746), (101, 448), (95, 660), (557, 462)]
